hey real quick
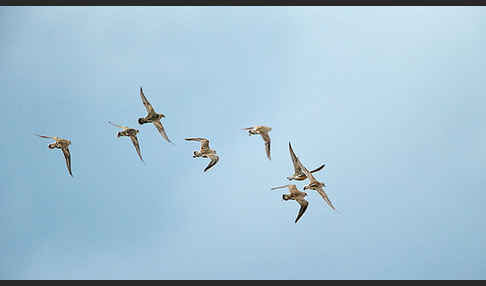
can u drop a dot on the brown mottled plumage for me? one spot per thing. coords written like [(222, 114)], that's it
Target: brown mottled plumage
[(152, 116), (129, 132), (205, 151), (315, 184), (62, 144), (296, 195), (298, 173), (263, 131)]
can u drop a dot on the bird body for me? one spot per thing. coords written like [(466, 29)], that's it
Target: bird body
[(296, 195), (62, 144), (129, 132), (263, 131), (152, 116), (299, 175), (314, 184), (204, 151)]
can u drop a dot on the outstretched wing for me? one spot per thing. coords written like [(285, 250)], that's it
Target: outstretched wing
[(67, 156), (318, 169), (119, 126), (248, 128), (146, 103), (137, 147), (42, 136), (204, 142), (161, 129), (306, 172), (266, 138), (297, 169), (324, 196), (281, 187), (303, 206), (214, 159)]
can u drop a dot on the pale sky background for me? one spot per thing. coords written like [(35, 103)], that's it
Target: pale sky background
[(391, 99)]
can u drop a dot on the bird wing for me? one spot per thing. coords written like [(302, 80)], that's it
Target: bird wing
[(324, 196), (204, 142), (137, 147), (42, 136), (146, 103), (303, 206), (248, 128), (67, 156), (214, 159), (281, 187), (119, 126), (297, 169), (318, 169), (161, 129), (306, 172), (266, 138)]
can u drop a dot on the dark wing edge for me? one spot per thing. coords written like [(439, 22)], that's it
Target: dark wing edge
[(137, 146), (266, 138), (303, 206), (67, 156), (145, 102), (297, 168), (161, 129), (214, 160), (318, 169)]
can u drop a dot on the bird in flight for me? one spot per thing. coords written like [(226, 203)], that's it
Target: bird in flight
[(296, 195), (129, 132), (298, 173), (315, 184), (263, 131), (205, 152), (152, 116), (62, 144)]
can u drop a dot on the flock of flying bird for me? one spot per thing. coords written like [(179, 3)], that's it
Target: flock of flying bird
[(300, 171)]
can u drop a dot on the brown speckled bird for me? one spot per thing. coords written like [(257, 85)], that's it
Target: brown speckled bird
[(152, 116), (205, 152), (315, 184), (263, 131), (296, 195), (298, 173), (62, 144), (129, 132)]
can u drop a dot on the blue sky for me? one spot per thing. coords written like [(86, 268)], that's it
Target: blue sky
[(391, 99)]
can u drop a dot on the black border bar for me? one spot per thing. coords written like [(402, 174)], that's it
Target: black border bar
[(242, 2)]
